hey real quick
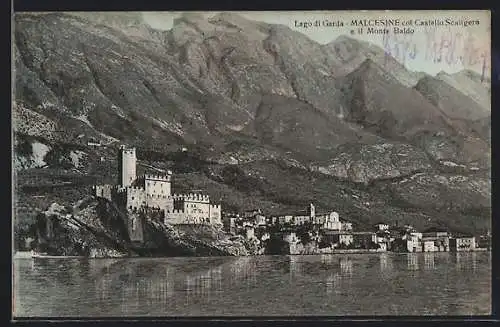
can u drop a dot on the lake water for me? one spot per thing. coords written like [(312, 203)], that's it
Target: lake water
[(333, 285)]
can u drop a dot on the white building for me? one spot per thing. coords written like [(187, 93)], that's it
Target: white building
[(382, 227)]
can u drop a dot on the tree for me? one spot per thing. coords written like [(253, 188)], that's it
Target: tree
[(303, 233)]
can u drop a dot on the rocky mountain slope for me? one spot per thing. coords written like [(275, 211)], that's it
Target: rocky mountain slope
[(266, 118), (93, 227)]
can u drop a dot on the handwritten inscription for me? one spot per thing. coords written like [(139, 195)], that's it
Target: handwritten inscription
[(441, 46)]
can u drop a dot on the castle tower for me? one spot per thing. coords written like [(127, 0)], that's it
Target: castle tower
[(127, 164)]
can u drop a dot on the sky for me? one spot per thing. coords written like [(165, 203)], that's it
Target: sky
[(431, 49)]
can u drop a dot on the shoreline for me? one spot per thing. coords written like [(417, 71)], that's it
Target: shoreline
[(29, 255)]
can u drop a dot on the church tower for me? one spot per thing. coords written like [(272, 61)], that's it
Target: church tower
[(312, 211), (127, 166)]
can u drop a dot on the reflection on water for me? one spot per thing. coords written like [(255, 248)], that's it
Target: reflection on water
[(429, 260), (296, 285), (468, 260), (346, 266), (386, 266), (412, 261)]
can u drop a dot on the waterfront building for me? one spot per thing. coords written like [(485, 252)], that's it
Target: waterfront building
[(292, 242), (484, 241), (428, 246), (463, 243), (383, 239), (435, 232), (364, 240), (439, 236), (338, 237), (413, 245)]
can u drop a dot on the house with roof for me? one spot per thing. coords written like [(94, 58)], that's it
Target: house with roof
[(462, 242), (380, 226)]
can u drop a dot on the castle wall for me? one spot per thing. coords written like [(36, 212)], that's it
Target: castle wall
[(157, 184), (195, 213), (196, 207), (198, 212), (104, 191), (175, 217), (136, 197), (135, 228), (158, 188)]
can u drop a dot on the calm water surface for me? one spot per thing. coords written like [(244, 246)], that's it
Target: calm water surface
[(334, 285)]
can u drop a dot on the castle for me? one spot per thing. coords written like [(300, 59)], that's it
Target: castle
[(152, 193)]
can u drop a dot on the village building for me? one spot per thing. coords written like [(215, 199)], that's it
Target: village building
[(260, 220), (346, 226), (364, 240), (463, 243), (413, 242), (428, 246), (435, 232), (383, 239), (229, 224), (285, 219), (381, 227), (301, 220), (338, 238), (484, 241), (292, 242), (249, 232), (439, 236)]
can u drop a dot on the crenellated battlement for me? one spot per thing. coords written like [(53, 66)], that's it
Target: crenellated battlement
[(192, 197), (161, 178), (127, 149), (215, 207), (135, 189), (102, 186), (151, 193)]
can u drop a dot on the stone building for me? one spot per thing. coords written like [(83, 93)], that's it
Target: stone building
[(381, 226), (463, 243), (428, 246), (339, 238), (153, 193)]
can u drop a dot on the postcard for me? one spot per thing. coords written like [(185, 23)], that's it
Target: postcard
[(251, 164)]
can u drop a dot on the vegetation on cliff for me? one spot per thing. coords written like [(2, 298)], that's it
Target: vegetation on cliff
[(96, 228)]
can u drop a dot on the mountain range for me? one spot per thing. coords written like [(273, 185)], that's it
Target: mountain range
[(257, 115)]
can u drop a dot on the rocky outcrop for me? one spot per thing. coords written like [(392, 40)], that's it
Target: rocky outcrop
[(362, 163), (93, 228)]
